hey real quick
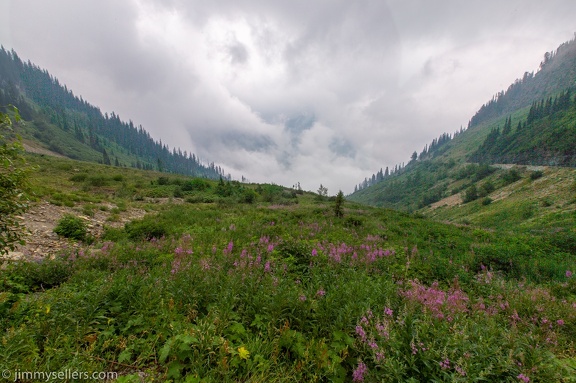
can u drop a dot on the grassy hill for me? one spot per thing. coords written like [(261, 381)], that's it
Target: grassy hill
[(236, 282)]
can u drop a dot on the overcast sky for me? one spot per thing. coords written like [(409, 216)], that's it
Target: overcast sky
[(309, 91)]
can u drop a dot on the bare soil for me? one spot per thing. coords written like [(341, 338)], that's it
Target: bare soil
[(41, 219)]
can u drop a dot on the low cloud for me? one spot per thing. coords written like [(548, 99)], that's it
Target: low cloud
[(286, 92)]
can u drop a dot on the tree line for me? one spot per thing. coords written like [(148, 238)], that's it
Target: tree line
[(546, 137)]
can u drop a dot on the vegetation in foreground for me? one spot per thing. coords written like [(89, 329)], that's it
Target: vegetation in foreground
[(285, 287)]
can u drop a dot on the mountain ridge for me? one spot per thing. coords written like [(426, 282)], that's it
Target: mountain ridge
[(68, 125)]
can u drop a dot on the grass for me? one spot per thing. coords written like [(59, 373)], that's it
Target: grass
[(279, 289), (544, 203)]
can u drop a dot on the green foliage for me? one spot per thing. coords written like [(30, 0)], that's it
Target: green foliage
[(471, 194), (70, 226), (338, 205), (13, 177), (536, 174), (285, 293), (511, 176)]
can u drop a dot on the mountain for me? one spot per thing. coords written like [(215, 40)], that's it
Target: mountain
[(531, 125), (57, 121)]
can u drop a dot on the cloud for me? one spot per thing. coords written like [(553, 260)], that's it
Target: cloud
[(295, 91)]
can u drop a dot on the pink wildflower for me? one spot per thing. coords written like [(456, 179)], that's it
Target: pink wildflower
[(320, 293), (560, 322), (445, 364), (523, 378), (388, 311), (568, 273), (361, 333), (302, 298), (358, 374)]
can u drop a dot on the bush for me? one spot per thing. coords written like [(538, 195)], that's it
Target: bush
[(163, 180), (13, 178), (98, 181), (248, 196), (195, 184), (145, 229), (536, 174), (72, 227), (81, 177), (486, 201), (511, 176), (471, 194)]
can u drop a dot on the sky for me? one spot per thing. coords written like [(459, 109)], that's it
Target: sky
[(310, 91)]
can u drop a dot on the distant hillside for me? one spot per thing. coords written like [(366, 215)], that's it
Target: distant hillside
[(68, 125), (532, 123), (546, 137), (557, 72)]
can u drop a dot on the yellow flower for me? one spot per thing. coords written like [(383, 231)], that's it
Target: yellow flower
[(243, 353), (48, 309)]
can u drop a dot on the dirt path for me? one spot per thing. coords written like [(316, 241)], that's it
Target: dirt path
[(41, 219)]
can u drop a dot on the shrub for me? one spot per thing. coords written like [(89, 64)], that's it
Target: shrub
[(81, 177), (163, 180), (145, 229), (72, 227), (178, 192), (486, 201), (511, 176), (98, 181), (248, 196), (471, 194), (486, 188), (13, 178), (352, 222), (536, 174), (195, 184)]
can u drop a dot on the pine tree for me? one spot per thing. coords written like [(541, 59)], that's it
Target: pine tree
[(339, 202), (105, 158)]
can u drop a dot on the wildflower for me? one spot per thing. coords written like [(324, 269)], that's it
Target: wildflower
[(445, 364), (314, 252), (358, 374), (302, 298), (320, 293), (560, 322), (243, 353), (388, 311), (460, 370), (568, 273), (267, 268), (523, 378), (361, 333), (379, 356)]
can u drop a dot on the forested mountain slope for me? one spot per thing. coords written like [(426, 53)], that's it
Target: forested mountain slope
[(532, 123), (68, 125)]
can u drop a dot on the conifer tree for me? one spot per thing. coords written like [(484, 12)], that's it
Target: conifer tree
[(339, 202)]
